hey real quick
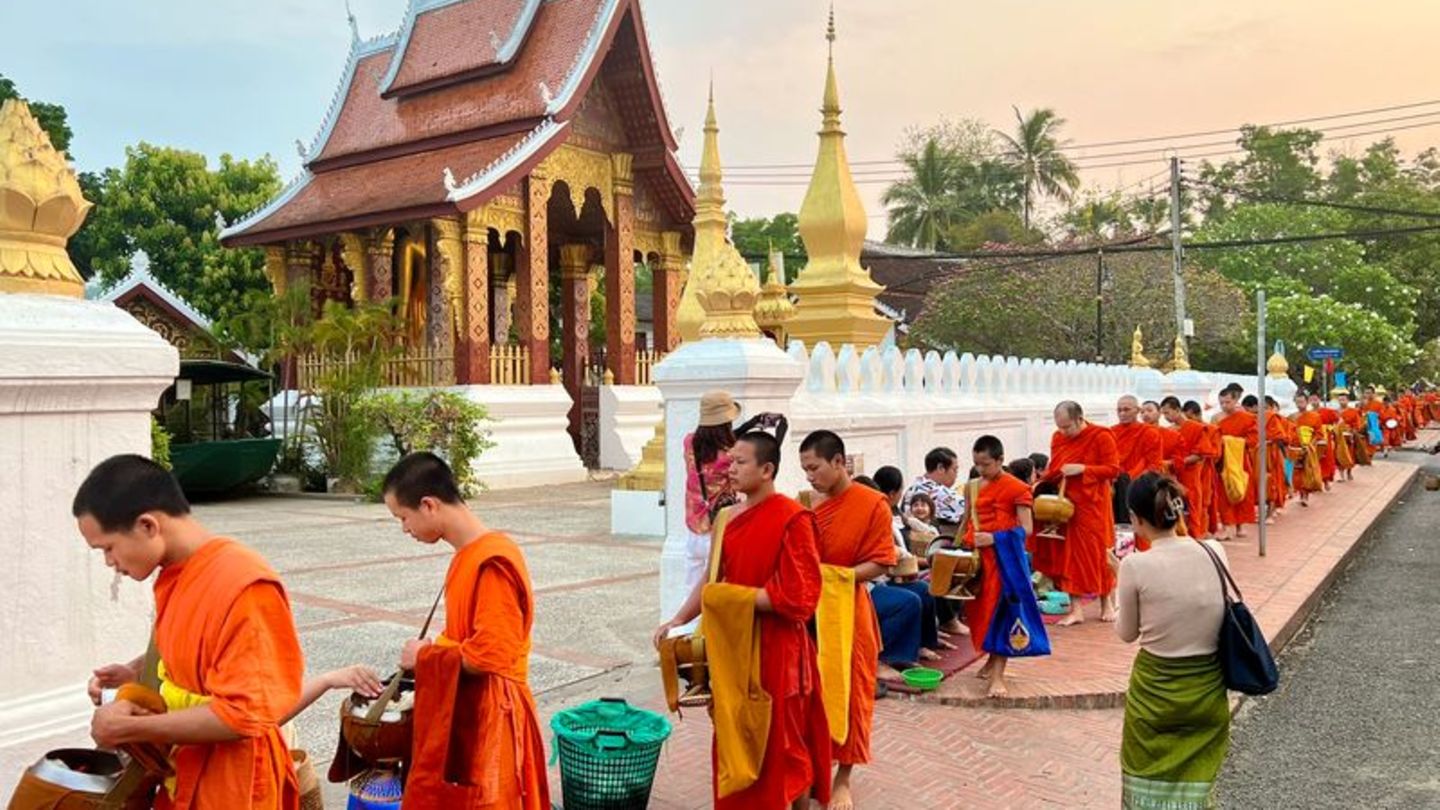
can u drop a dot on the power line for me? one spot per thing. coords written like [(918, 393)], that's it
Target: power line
[(1367, 209), (764, 168)]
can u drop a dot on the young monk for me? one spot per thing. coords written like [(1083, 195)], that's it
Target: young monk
[(230, 666), (1237, 422), (1002, 508), (1170, 457), (477, 743), (1277, 440), (1193, 452), (1351, 428), (854, 533), (769, 546), (1307, 430), (1084, 455), (1325, 445)]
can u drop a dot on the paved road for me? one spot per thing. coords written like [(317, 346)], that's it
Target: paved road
[(1354, 722)]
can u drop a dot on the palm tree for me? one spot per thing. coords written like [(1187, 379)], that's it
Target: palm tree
[(923, 206), (1035, 153)]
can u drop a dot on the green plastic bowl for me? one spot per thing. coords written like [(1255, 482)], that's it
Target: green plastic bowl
[(923, 678)]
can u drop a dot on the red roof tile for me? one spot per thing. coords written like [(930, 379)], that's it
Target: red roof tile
[(367, 121), (457, 39), (405, 183)]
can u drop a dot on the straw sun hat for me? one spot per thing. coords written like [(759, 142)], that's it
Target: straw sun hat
[(717, 408)]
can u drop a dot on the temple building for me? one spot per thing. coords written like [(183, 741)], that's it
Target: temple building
[(484, 166)]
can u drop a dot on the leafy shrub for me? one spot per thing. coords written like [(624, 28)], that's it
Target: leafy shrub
[(443, 422)]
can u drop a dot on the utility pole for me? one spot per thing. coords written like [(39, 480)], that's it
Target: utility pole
[(1177, 250), (1099, 300), (1263, 488)]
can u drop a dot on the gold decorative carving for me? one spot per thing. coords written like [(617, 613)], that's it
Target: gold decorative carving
[(581, 169), (506, 214), (379, 256), (275, 268), (41, 207), (352, 253)]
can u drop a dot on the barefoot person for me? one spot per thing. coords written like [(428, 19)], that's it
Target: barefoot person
[(477, 742), (1084, 455), (767, 548), (855, 534), (1239, 435), (997, 522), (229, 665)]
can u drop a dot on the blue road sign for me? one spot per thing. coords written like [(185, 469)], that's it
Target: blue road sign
[(1319, 353)]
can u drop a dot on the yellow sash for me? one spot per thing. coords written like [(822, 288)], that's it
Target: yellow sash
[(741, 710), (176, 698), (1237, 481), (835, 636)]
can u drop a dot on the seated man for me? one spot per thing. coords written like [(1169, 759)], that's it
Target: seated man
[(942, 468), (930, 641)]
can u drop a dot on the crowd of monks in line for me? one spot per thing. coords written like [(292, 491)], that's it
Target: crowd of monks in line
[(229, 667)]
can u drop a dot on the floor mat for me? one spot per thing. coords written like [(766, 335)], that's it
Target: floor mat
[(951, 662)]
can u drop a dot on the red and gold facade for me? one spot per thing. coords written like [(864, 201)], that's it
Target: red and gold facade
[(465, 180)]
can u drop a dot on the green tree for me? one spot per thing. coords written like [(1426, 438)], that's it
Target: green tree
[(1375, 349), (1035, 152), (1281, 164), (51, 117), (756, 237), (992, 228), (165, 201), (923, 206), (1097, 218)]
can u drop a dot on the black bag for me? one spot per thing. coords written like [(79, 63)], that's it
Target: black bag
[(1246, 663), (1119, 494)]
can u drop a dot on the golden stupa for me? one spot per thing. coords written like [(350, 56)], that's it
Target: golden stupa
[(836, 295), (774, 311), (41, 207), (1277, 366)]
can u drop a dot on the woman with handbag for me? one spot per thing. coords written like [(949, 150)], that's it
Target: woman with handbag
[(707, 478), (1177, 716)]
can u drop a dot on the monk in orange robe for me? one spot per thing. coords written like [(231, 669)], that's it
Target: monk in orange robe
[(1084, 454), (1394, 436), (477, 742), (770, 544), (1329, 418), (1277, 439), (1352, 420), (230, 666), (1170, 459), (855, 532), (1236, 421), (1210, 480), (1003, 503), (1306, 420), (1138, 442), (1192, 454), (1376, 405)]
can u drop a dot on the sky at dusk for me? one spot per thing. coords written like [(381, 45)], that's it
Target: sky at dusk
[(252, 77)]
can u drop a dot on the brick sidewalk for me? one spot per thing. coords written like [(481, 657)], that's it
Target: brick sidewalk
[(1056, 742), (1090, 667)]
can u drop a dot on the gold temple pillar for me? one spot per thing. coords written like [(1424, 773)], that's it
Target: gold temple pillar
[(379, 261), (502, 295), (276, 268), (300, 263), (532, 285), (352, 255), (472, 358), (447, 266), (620, 274), (667, 286)]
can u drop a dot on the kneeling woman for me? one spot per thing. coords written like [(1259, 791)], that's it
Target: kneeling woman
[(1177, 718)]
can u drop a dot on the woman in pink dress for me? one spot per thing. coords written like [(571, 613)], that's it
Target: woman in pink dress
[(707, 478)]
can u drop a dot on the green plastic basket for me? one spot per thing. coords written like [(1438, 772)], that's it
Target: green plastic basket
[(608, 751), (923, 678)]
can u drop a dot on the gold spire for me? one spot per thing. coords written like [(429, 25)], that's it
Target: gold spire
[(1277, 365), (836, 294), (721, 281), (774, 309), (41, 207), (709, 224)]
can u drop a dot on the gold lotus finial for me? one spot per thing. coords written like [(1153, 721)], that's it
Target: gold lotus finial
[(41, 207)]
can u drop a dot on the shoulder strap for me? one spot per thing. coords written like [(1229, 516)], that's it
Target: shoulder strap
[(974, 496), (1227, 582), (717, 542)]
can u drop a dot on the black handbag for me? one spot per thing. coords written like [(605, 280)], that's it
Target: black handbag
[(1246, 663)]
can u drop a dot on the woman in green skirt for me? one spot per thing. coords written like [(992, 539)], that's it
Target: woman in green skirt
[(1177, 716)]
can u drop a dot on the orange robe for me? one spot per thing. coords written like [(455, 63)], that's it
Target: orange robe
[(772, 545), (1139, 447), (1316, 423), (477, 742), (1277, 437), (1210, 479), (998, 509), (1329, 420), (1243, 424), (1090, 532), (224, 631), (1409, 418), (855, 528), (1192, 439), (1171, 459), (1378, 408)]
